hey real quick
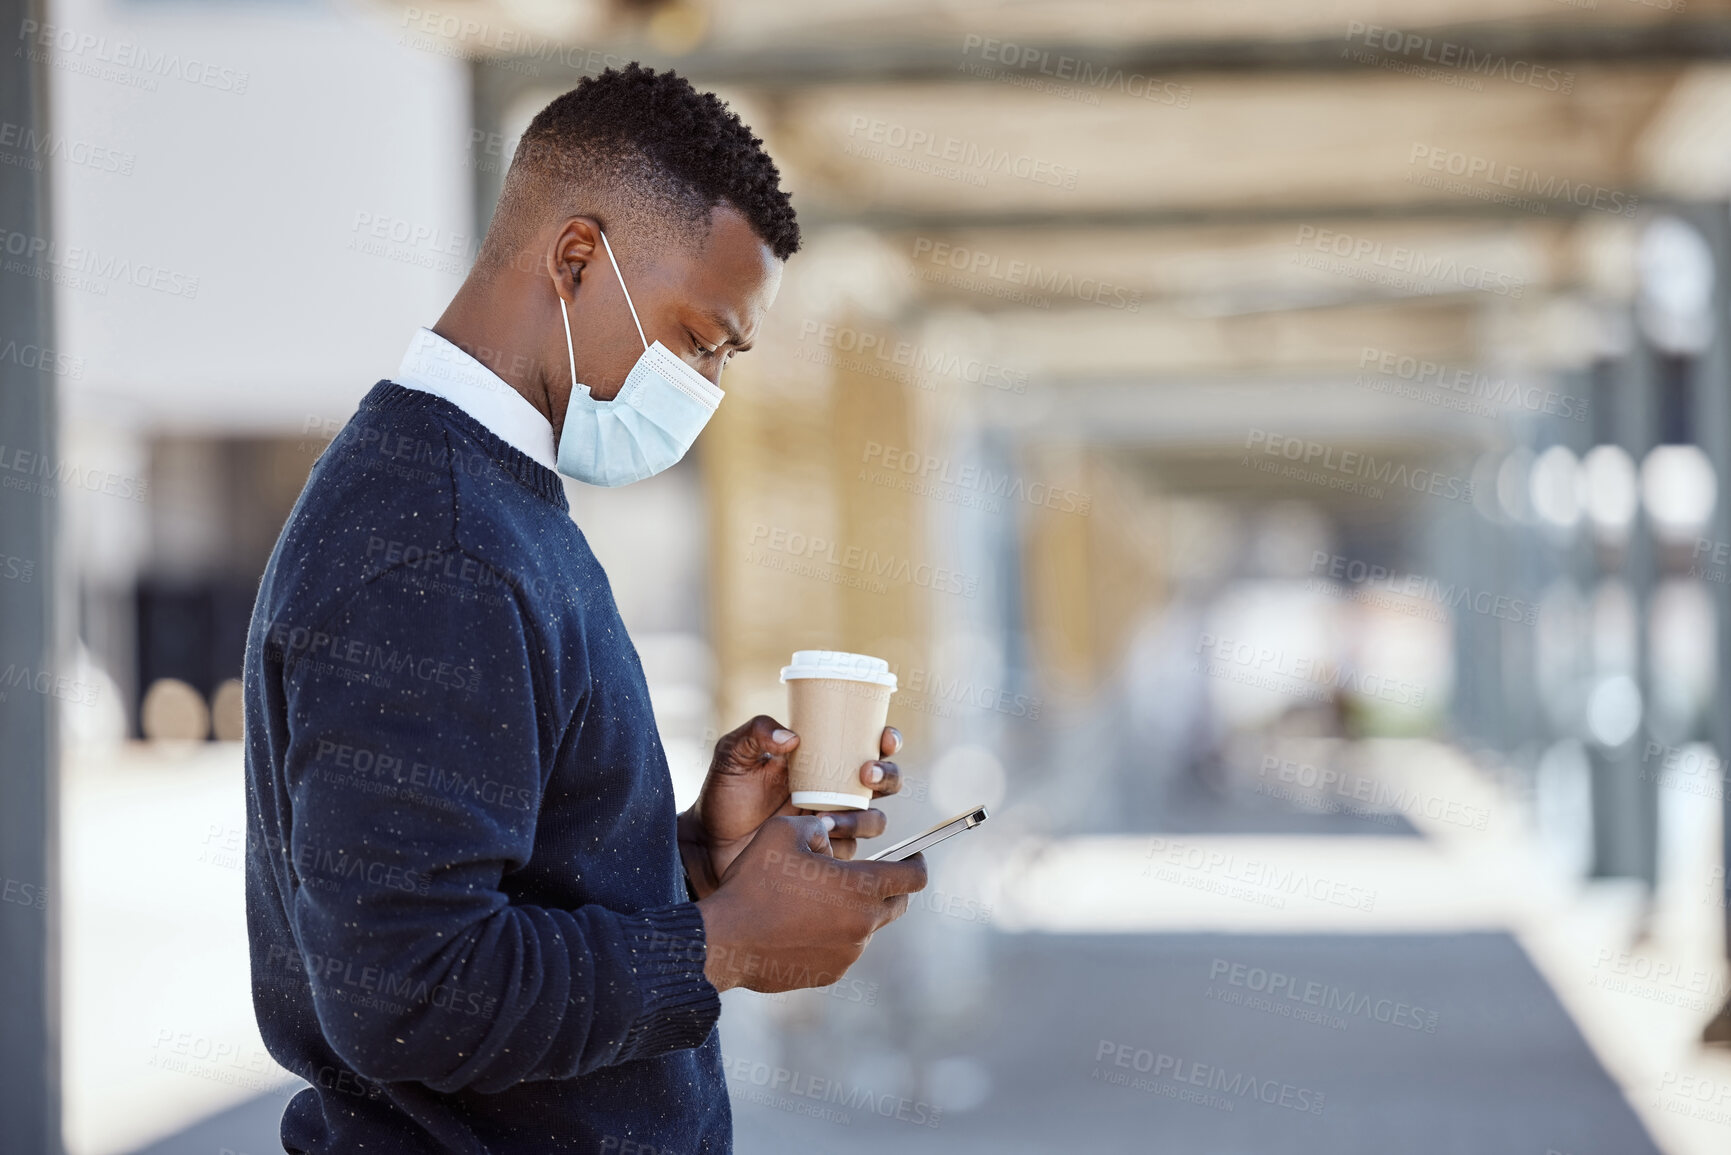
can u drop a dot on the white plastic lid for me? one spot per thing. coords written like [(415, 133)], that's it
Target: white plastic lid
[(839, 664)]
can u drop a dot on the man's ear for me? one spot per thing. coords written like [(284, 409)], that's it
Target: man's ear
[(574, 247)]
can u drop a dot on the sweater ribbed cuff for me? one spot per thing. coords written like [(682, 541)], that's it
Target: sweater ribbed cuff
[(680, 1005)]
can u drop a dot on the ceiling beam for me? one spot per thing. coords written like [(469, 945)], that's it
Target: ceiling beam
[(931, 61), (1158, 217)]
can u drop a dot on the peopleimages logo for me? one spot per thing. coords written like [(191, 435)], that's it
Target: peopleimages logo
[(862, 351), (1245, 662), (1326, 997), (876, 139), (87, 269), (376, 985), (22, 893), (48, 684), (1459, 57), (93, 51), (1408, 269), (1364, 576), (1659, 980), (1693, 769), (444, 242), (396, 777), (867, 564), (358, 660), (1355, 466), (1075, 70), (43, 360), (927, 692), (805, 1094), (1378, 798), (1432, 380), (1215, 869), (974, 268), (930, 471), (29, 146), (327, 868), (1694, 1096), (517, 50), (1499, 175), (1177, 1069)]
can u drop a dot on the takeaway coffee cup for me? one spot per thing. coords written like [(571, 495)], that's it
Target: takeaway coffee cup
[(837, 703)]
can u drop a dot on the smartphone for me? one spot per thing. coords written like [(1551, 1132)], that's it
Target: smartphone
[(949, 828)]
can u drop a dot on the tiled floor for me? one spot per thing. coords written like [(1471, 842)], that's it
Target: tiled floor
[(1205, 991)]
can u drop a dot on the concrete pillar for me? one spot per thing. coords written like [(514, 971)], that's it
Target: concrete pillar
[(30, 661), (1711, 404)]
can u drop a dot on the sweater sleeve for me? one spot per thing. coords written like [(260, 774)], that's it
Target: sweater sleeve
[(414, 772)]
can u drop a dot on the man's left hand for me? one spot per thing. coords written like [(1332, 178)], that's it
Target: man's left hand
[(747, 786)]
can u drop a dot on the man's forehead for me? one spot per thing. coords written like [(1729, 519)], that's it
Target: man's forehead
[(732, 246), (731, 277)]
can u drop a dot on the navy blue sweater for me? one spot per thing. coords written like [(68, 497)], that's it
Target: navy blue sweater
[(469, 923)]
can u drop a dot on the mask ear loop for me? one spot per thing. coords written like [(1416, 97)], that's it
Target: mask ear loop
[(570, 353), (624, 290)]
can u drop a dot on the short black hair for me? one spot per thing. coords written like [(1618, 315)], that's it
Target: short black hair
[(642, 147)]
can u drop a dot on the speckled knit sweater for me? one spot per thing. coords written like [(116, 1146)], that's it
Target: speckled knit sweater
[(470, 930)]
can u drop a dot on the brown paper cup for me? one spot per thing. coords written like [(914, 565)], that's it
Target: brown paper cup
[(838, 704)]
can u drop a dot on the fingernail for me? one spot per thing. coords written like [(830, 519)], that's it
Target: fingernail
[(781, 737), (875, 774), (828, 823)]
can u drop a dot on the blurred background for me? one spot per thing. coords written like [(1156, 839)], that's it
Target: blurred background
[(1280, 448)]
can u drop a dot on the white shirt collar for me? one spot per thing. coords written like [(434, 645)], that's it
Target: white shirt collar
[(434, 365)]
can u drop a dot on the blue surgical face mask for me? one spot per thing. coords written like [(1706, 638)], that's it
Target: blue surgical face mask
[(662, 407)]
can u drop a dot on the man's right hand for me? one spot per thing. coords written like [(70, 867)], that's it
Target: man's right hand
[(788, 915)]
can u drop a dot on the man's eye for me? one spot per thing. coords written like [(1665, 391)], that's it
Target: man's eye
[(703, 350)]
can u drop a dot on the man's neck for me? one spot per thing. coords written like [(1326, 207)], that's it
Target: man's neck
[(483, 321)]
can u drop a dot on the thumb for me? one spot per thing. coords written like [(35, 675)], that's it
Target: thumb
[(762, 737), (816, 832)]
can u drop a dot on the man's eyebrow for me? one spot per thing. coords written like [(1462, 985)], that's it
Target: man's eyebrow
[(734, 336)]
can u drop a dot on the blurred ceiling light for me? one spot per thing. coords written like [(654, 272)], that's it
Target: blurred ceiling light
[(572, 20), (1206, 537), (960, 1083), (1614, 711), (1678, 489), (1562, 332), (1291, 624), (101, 720), (1560, 640), (1682, 634), (228, 711), (1605, 250), (1418, 651), (1613, 332), (973, 653), (1615, 631), (845, 269), (968, 776), (1289, 535), (1511, 485), (1609, 491), (1567, 331), (1554, 487), (1681, 149), (1563, 806), (1675, 301), (679, 26), (174, 712)]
